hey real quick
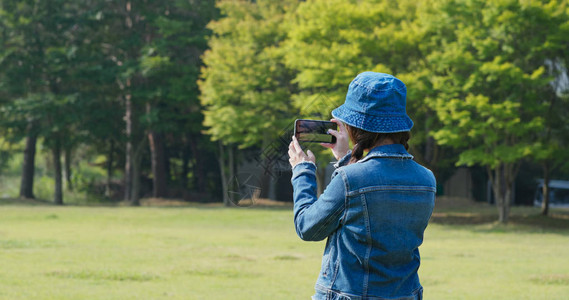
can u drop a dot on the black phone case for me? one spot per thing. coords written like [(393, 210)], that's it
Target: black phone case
[(296, 133)]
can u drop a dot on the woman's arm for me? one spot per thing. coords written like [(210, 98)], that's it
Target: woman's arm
[(316, 218)]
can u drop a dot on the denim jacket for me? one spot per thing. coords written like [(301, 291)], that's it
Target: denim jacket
[(374, 213)]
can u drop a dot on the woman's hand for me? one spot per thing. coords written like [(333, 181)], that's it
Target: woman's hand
[(342, 145), (296, 155)]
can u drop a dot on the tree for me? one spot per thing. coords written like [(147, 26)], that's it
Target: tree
[(330, 42), (128, 31), (37, 56), (19, 81), (488, 68), (108, 75), (157, 48), (170, 65), (245, 86), (551, 147)]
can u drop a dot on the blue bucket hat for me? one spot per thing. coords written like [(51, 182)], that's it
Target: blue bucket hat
[(375, 102)]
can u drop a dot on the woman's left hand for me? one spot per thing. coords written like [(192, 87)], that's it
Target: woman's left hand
[(342, 145), (296, 155)]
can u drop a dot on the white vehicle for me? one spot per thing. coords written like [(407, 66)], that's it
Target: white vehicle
[(558, 193)]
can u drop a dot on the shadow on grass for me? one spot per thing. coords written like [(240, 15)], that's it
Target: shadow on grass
[(461, 214), (558, 221), (24, 202), (484, 217)]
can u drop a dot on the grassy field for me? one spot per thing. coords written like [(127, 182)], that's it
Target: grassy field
[(210, 252)]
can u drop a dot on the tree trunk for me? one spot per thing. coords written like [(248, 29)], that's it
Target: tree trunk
[(136, 172), (545, 190), (167, 164), (58, 190), (128, 151), (430, 143), (185, 167), (128, 117), (265, 160), (502, 185), (224, 187), (500, 203), (135, 194), (28, 165), (108, 192), (266, 179), (504, 215), (68, 181), (231, 176), (158, 165), (199, 170), (499, 193)]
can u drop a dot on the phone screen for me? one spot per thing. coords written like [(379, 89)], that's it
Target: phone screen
[(314, 131)]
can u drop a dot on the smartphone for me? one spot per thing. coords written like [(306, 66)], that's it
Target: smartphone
[(314, 131)]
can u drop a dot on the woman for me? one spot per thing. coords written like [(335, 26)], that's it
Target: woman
[(376, 208)]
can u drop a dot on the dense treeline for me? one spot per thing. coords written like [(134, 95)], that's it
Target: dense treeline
[(171, 91), (487, 80), (116, 76)]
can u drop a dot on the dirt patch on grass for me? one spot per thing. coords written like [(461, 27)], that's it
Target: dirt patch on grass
[(114, 275), (262, 202), (165, 202), (259, 202), (23, 201), (558, 220), (549, 279)]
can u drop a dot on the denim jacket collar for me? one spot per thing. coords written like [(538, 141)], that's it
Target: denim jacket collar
[(387, 151)]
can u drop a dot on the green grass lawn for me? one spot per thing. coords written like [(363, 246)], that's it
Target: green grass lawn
[(210, 252)]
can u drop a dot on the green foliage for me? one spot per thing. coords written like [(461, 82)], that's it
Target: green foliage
[(245, 86), (483, 77), (330, 42), (44, 187), (170, 65), (487, 62), (5, 154), (66, 68), (463, 127), (86, 177)]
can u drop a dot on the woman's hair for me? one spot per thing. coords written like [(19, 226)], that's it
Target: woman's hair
[(366, 140)]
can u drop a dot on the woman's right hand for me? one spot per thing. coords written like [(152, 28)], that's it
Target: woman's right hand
[(342, 145)]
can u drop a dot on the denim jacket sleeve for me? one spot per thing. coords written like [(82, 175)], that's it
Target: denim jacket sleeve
[(316, 218)]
